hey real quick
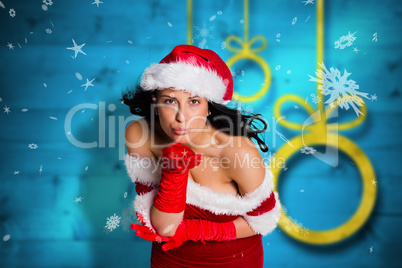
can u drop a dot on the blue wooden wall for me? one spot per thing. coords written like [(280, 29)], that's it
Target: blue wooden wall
[(43, 169)]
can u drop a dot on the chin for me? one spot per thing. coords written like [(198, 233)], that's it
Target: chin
[(181, 139)]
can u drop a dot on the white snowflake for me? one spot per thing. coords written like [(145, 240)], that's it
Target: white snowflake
[(345, 41), (128, 216), (78, 199), (112, 222), (373, 97), (315, 99), (7, 109), (339, 88), (48, 31), (374, 37), (97, 2), (33, 146), (77, 49), (308, 150), (10, 46), (78, 75), (223, 45), (88, 84), (12, 12), (204, 33), (249, 109), (2, 5), (6, 237), (308, 2), (48, 2)]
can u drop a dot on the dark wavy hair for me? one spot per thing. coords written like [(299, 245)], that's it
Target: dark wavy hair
[(140, 102)]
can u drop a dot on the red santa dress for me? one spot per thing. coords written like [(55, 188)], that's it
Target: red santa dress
[(260, 208)]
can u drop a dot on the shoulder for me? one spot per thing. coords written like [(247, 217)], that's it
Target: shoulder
[(246, 165), (136, 138)]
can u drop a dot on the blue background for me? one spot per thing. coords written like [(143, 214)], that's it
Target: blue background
[(47, 228)]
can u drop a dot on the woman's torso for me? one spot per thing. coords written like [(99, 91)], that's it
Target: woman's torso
[(243, 252)]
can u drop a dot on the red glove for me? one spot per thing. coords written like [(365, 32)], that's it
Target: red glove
[(178, 159), (148, 234), (145, 232), (201, 230)]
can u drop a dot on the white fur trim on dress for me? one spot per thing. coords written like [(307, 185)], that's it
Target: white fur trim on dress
[(146, 171), (267, 222), (220, 203), (143, 170), (184, 76), (143, 204)]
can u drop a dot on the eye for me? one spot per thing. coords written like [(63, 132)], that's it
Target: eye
[(167, 101), (196, 101)]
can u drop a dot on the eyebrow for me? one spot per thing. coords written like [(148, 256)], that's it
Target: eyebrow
[(196, 96)]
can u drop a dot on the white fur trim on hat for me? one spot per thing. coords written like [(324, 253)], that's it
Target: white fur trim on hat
[(143, 204), (185, 76), (143, 170), (220, 203), (265, 223)]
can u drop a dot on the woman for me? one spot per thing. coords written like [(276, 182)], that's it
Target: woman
[(204, 194)]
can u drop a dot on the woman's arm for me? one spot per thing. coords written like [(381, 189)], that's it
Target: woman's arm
[(242, 228), (164, 223), (136, 144)]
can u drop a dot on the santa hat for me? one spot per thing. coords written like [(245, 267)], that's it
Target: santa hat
[(192, 69)]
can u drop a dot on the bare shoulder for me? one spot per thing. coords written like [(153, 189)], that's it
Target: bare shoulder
[(136, 138), (246, 165)]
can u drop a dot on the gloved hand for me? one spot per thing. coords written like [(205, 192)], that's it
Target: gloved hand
[(178, 159), (145, 232), (201, 230), (148, 234)]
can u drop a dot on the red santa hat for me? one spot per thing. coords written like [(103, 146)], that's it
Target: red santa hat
[(192, 69)]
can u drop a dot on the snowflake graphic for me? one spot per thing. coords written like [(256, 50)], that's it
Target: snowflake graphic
[(7, 109), (339, 88), (48, 2), (33, 146), (2, 5), (48, 31), (6, 237), (315, 99), (248, 109), (12, 13), (128, 216), (112, 222), (223, 45), (308, 150), (374, 37), (204, 33), (308, 2), (345, 41)]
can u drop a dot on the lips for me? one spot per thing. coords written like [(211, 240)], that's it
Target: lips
[(180, 131)]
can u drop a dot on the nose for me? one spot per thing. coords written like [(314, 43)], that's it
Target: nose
[(180, 115)]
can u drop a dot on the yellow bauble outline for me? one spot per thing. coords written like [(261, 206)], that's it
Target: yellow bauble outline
[(267, 75), (369, 190)]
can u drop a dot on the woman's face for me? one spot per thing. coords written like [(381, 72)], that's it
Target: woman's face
[(181, 115)]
